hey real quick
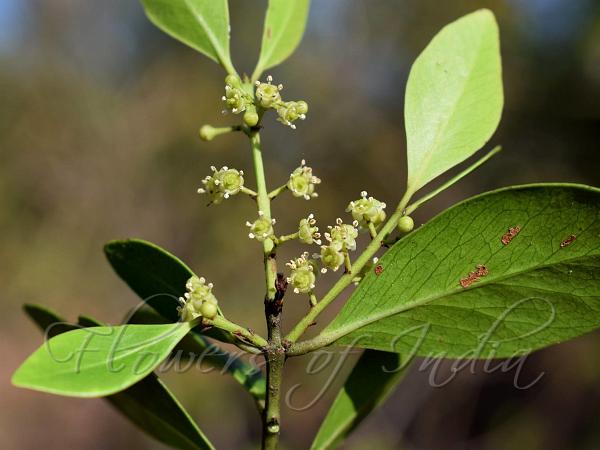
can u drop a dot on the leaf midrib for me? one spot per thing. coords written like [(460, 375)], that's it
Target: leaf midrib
[(209, 33)]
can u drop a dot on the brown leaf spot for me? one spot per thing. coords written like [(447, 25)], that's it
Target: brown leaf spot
[(378, 270), (510, 234), (568, 241)]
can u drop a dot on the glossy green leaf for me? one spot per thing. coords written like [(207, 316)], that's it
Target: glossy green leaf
[(454, 97), (155, 275), (148, 404), (98, 361), (373, 378), (541, 289), (283, 29), (200, 24)]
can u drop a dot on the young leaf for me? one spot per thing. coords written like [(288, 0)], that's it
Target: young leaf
[(200, 24), (148, 404), (98, 361), (373, 378), (155, 275), (453, 97), (526, 289), (284, 26)]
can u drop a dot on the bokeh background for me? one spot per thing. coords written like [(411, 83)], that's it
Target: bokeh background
[(99, 113)]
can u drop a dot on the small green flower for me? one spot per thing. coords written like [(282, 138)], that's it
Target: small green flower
[(235, 98), (302, 182), (261, 228), (198, 300), (367, 210), (302, 275), (343, 236), (222, 184), (267, 94), (289, 112), (308, 233), (331, 257)]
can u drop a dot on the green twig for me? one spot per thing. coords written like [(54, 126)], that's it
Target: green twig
[(275, 192)]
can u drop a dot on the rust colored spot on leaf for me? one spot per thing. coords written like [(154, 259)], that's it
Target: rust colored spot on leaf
[(510, 234), (480, 272), (378, 270), (268, 32), (568, 241)]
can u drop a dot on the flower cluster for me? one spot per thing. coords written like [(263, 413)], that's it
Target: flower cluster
[(367, 210), (261, 228), (302, 276), (268, 96), (302, 182), (198, 301), (222, 184), (341, 238)]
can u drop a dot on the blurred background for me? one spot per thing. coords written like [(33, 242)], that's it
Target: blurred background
[(99, 113)]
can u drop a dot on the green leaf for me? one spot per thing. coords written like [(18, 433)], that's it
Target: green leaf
[(200, 24), (284, 26), (148, 404), (98, 361), (48, 321), (195, 346), (454, 97), (155, 275), (373, 378), (539, 290)]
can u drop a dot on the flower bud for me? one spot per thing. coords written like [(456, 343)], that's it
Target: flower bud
[(308, 233), (302, 276), (405, 224), (367, 210), (251, 116), (207, 133), (261, 228), (209, 310), (302, 182)]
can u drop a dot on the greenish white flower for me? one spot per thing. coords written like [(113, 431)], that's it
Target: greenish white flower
[(289, 112), (343, 236), (198, 301), (235, 98), (302, 182), (261, 228), (222, 184), (308, 233), (331, 258), (267, 94), (367, 210), (302, 276)]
